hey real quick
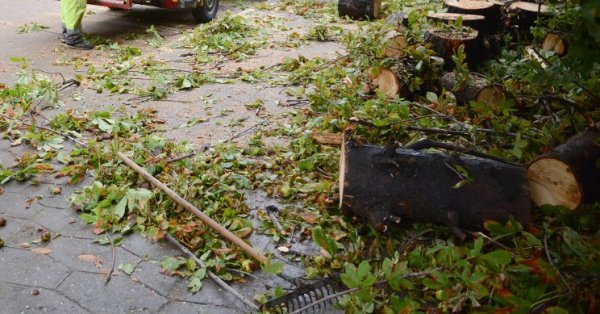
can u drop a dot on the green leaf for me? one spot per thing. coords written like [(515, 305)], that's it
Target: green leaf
[(477, 246), (271, 267), (324, 240), (307, 164), (119, 210), (127, 268), (195, 283), (497, 259), (88, 218), (432, 97), (173, 263)]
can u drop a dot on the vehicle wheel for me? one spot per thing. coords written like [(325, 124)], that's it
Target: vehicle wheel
[(206, 12)]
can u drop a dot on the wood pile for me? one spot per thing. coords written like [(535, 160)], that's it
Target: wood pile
[(389, 184)]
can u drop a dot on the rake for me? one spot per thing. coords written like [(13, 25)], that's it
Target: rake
[(309, 297)]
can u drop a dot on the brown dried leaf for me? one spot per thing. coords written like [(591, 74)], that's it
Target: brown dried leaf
[(309, 217), (41, 250)]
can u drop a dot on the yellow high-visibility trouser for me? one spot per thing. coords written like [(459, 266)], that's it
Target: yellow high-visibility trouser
[(71, 13)]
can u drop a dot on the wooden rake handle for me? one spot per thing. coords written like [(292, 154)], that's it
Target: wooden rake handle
[(187, 205)]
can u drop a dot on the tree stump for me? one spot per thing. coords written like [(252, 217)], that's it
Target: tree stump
[(523, 14), (471, 20), (446, 42), (569, 175), (556, 43), (477, 89), (490, 10), (359, 9), (388, 184)]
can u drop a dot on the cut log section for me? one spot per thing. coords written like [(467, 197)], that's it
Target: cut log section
[(359, 9), (394, 44), (390, 184), (446, 42), (523, 14), (569, 175), (471, 20), (477, 89), (385, 81), (556, 43)]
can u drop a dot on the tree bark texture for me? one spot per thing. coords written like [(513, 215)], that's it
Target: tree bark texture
[(570, 174), (387, 184)]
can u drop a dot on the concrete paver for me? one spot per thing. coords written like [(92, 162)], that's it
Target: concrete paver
[(119, 295), (24, 299), (22, 266)]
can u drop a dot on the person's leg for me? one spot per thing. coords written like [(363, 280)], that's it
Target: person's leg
[(71, 14)]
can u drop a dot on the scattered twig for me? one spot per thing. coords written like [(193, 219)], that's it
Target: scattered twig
[(207, 146), (210, 274), (112, 265), (483, 235), (49, 130), (562, 278), (270, 210)]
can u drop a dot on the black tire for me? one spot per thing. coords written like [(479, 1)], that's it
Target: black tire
[(206, 12)]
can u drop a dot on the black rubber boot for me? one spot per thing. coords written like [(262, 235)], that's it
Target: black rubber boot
[(74, 39)]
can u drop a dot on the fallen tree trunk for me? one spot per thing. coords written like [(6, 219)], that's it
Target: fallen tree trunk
[(569, 175), (477, 89), (386, 185), (359, 9)]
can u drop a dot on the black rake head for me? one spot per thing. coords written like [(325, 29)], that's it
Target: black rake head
[(308, 298)]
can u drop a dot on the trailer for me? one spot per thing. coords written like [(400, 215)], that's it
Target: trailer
[(203, 11)]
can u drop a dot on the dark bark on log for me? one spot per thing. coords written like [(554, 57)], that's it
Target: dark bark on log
[(477, 89), (446, 42), (387, 184), (359, 9), (569, 175)]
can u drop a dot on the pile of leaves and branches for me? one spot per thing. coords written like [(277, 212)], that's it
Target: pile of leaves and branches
[(546, 266), (510, 268)]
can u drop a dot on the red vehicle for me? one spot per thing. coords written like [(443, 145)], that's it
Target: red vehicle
[(202, 10)]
